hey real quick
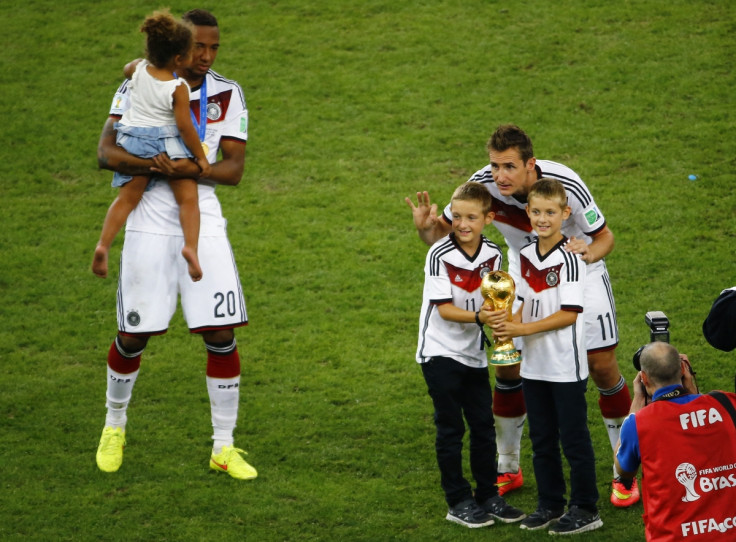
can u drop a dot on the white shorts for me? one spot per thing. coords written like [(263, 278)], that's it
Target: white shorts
[(153, 274), (601, 327)]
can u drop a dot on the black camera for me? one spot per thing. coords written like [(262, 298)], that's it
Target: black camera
[(659, 326)]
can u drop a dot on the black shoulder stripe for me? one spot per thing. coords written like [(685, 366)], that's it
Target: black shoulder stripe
[(572, 264), (234, 84), (578, 191), (574, 187), (435, 257), (483, 176)]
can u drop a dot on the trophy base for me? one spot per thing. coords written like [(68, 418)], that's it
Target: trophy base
[(505, 357)]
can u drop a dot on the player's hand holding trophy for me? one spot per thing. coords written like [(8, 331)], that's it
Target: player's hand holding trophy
[(498, 289)]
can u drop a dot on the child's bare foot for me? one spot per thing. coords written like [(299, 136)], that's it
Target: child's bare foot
[(190, 255), (99, 262)]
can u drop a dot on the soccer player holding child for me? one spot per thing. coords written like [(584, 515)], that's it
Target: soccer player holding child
[(454, 362), (154, 276), (159, 120), (554, 371)]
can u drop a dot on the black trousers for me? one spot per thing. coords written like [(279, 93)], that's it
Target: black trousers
[(461, 393), (558, 414)]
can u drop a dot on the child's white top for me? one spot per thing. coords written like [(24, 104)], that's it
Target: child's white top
[(550, 283), (452, 276), (151, 100)]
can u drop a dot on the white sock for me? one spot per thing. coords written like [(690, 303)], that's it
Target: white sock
[(613, 427), (119, 392), (508, 442), (224, 398)]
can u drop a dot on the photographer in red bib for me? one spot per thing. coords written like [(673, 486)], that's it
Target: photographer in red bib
[(685, 443)]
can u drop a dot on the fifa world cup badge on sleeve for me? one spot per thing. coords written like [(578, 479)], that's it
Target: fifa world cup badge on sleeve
[(119, 104), (498, 289)]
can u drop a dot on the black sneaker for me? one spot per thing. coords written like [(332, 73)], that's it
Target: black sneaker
[(468, 513), (501, 510), (577, 520), (540, 519)]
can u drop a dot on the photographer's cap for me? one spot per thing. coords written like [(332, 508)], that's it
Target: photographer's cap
[(719, 327)]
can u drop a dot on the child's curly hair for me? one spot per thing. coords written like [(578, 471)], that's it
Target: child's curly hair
[(167, 37)]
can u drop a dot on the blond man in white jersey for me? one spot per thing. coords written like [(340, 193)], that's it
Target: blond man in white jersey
[(512, 171), (152, 272)]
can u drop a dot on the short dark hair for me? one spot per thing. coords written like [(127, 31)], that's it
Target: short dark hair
[(472, 191), (508, 136), (200, 17)]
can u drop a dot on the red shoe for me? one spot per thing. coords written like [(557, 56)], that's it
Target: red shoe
[(622, 497), (509, 481)]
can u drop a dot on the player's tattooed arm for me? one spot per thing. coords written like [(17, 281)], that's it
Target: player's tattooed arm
[(111, 156)]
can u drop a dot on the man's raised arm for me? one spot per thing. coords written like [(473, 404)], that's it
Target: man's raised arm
[(430, 227)]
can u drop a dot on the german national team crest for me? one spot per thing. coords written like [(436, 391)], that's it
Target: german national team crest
[(484, 271), (540, 279), (133, 318), (214, 111)]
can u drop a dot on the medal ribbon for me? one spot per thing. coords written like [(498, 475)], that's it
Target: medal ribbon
[(201, 126)]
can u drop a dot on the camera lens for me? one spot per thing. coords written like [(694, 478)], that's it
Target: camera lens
[(637, 359)]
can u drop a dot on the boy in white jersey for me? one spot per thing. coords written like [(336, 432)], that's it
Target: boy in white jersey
[(452, 355), (512, 171), (554, 370)]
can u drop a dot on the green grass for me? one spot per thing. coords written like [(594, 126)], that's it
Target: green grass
[(353, 106)]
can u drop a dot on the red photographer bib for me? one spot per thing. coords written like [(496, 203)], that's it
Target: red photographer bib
[(688, 470)]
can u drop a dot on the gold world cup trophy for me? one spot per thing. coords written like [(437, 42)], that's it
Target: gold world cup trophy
[(498, 289)]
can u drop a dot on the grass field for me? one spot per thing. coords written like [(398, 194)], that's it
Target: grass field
[(353, 106)]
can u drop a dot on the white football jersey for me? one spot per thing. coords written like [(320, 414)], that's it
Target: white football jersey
[(550, 283), (227, 118), (452, 276), (512, 221)]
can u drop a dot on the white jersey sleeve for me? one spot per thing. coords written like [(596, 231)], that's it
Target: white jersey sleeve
[(121, 100)]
